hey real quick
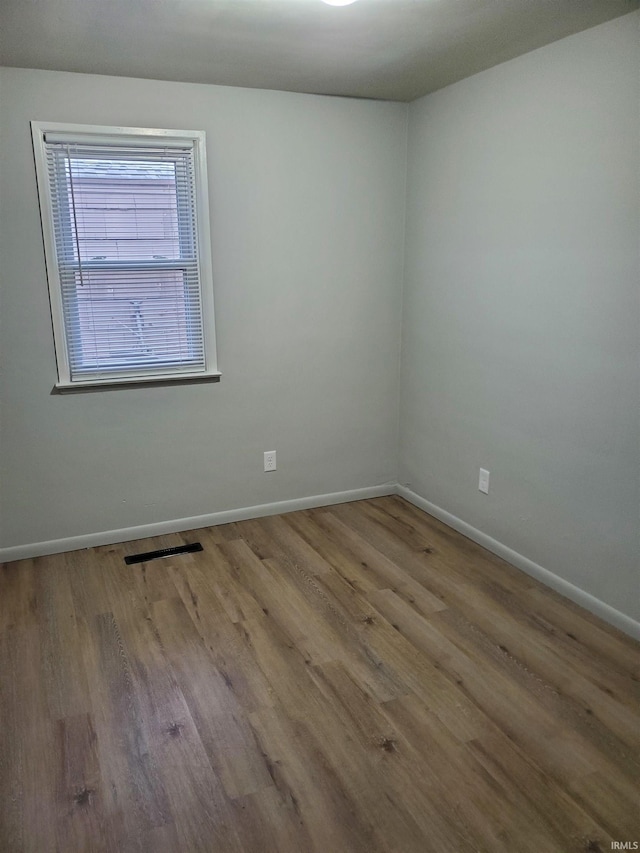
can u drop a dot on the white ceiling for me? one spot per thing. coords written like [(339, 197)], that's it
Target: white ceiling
[(390, 49)]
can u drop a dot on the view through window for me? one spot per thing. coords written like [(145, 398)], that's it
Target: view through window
[(128, 312)]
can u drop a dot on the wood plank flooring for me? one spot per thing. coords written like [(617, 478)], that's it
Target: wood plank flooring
[(350, 679)]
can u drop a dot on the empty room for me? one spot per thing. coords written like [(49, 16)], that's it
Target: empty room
[(319, 426)]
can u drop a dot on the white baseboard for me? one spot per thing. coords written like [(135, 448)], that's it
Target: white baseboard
[(126, 534), (574, 593), (143, 531)]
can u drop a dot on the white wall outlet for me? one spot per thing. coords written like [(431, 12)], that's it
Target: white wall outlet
[(483, 482), (269, 460)]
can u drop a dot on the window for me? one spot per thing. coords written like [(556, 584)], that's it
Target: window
[(126, 233)]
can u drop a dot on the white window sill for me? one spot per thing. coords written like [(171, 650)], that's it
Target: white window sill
[(109, 384)]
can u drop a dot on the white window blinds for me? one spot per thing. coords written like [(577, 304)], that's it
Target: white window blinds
[(123, 223)]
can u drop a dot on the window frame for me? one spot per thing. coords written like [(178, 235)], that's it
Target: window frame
[(138, 137)]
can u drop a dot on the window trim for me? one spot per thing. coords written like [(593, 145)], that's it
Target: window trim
[(133, 136)]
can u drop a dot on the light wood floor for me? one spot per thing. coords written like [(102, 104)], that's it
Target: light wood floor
[(352, 679)]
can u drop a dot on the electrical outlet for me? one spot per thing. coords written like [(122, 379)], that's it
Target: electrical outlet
[(269, 460), (483, 482)]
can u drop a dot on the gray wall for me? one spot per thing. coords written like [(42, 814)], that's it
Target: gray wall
[(307, 212), (521, 327)]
